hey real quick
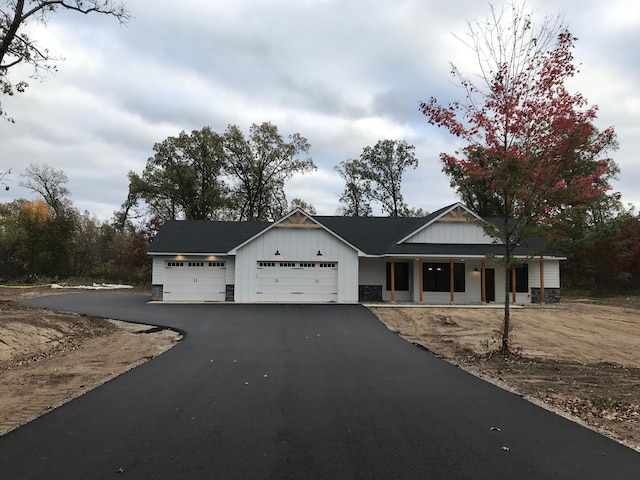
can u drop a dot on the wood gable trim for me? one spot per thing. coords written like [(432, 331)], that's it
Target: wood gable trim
[(457, 214), (297, 220)]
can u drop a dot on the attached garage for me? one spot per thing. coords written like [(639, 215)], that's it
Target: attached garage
[(195, 281), (297, 282)]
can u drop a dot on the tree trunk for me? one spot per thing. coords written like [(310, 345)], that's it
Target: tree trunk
[(508, 249), (505, 323)]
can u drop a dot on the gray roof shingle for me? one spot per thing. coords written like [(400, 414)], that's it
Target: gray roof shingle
[(203, 236), (371, 235)]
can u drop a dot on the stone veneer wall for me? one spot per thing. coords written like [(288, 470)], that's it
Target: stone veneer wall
[(230, 293), (551, 295), (369, 293), (156, 293)]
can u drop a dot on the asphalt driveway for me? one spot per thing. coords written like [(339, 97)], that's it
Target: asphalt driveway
[(296, 392)]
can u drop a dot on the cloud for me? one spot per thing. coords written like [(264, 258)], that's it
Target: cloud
[(342, 74)]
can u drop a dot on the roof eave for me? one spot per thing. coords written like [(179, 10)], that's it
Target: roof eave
[(182, 253)]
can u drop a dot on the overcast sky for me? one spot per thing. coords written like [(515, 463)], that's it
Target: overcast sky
[(342, 73)]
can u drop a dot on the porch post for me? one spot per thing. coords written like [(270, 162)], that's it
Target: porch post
[(393, 281), (513, 285), (483, 282), (541, 281), (421, 280), (451, 272)]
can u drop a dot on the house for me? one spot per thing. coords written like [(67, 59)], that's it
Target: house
[(444, 258)]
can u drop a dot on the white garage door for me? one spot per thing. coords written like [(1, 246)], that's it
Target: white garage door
[(315, 282), (194, 281)]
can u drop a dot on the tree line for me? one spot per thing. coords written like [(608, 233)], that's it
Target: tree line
[(48, 239)]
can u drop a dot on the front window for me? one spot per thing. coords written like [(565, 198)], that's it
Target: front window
[(522, 279), (400, 276), (437, 277)]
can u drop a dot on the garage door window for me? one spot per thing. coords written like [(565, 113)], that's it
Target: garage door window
[(175, 264), (299, 281)]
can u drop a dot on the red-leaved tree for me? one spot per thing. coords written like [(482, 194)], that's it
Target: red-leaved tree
[(531, 141)]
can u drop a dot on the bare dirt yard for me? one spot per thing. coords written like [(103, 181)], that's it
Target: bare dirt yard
[(580, 359), (48, 358)]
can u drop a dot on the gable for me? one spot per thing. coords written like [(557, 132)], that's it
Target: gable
[(294, 220), (451, 232), (296, 244), (455, 224)]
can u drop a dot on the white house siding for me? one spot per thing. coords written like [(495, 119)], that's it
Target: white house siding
[(157, 270), (372, 273), (231, 270), (296, 244), (451, 232), (551, 273)]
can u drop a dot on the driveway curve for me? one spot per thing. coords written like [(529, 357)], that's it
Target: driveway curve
[(296, 392)]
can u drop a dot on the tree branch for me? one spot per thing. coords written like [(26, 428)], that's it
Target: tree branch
[(108, 8)]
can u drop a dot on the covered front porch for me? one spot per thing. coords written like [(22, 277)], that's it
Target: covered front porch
[(456, 281)]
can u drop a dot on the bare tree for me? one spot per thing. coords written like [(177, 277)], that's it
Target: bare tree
[(17, 48), (49, 183)]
